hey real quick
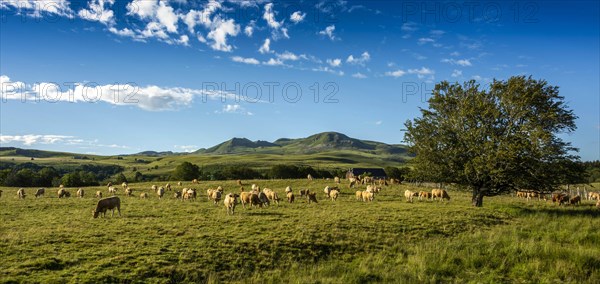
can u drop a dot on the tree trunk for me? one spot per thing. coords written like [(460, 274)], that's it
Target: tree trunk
[(477, 197)]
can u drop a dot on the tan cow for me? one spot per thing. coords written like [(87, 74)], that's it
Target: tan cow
[(333, 194), (160, 192), (359, 195), (109, 203), (98, 194), (179, 183), (40, 192), (409, 195), (290, 197), (424, 195), (216, 196), (439, 193), (63, 193), (143, 195), (367, 196), (336, 180), (21, 193), (80, 193), (128, 191), (230, 201)]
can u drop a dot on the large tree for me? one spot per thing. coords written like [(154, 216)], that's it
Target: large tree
[(186, 171), (493, 140)]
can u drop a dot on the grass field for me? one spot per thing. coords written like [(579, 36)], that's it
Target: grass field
[(50, 240)]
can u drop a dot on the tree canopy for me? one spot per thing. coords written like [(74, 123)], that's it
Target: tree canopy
[(186, 171), (496, 139)]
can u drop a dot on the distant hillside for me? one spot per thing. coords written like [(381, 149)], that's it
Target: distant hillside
[(29, 153), (322, 142), (156, 154)]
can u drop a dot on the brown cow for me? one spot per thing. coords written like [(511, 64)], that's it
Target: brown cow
[(312, 197), (109, 203), (290, 197), (40, 192)]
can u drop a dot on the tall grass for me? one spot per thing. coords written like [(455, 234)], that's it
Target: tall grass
[(347, 241)]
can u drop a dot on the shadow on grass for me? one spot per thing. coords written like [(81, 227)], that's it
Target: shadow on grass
[(581, 210), (262, 213)]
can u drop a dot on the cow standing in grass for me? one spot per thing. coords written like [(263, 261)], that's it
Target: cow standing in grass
[(109, 203)]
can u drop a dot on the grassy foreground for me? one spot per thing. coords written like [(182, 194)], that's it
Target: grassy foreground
[(50, 240)]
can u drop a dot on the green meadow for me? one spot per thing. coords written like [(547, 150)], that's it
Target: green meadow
[(51, 240)]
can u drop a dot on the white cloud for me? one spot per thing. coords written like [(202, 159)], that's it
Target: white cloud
[(98, 10), (455, 53), (184, 40), (37, 8), (249, 30), (269, 16), (460, 62), (395, 74), (379, 122), (193, 17), (436, 33), (273, 62), (334, 62), (328, 31), (266, 47), (297, 17), (234, 109), (45, 139), (240, 59), (425, 40), (142, 8), (151, 98), (167, 17), (364, 58), (290, 56), (422, 72), (222, 29), (359, 75), (456, 73), (409, 27), (186, 148), (328, 70)]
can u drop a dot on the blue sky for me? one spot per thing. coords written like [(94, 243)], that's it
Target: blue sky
[(191, 74)]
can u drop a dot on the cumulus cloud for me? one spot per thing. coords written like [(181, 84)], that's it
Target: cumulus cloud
[(203, 17), (424, 40), (240, 59), (359, 75), (328, 31), (266, 47), (45, 139), (150, 98), (460, 62), (422, 72), (290, 56), (364, 58), (222, 29), (99, 10), (274, 62), (186, 148), (237, 109), (395, 74), (334, 62), (456, 73), (297, 17), (269, 16), (249, 30), (37, 8)]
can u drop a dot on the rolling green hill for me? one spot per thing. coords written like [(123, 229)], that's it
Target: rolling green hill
[(328, 150)]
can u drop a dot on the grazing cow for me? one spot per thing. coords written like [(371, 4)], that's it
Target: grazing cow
[(168, 186), (367, 196), (290, 197), (80, 193), (576, 200), (255, 200), (288, 189), (245, 198), (334, 194), (112, 190), (424, 194), (593, 195), (154, 188), (353, 182), (177, 194), (304, 192), (239, 182), (263, 199), (230, 201), (521, 194), (336, 180), (21, 193), (98, 194), (383, 182), (194, 181), (179, 183), (271, 195), (370, 188), (124, 185), (160, 192), (309, 177), (109, 184), (359, 195), (143, 195), (216, 196), (128, 191), (40, 192), (255, 187), (409, 195), (439, 193), (109, 203), (312, 197), (63, 193), (328, 190), (189, 194)]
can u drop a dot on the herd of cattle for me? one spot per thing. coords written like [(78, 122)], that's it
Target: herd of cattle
[(560, 198), (262, 198)]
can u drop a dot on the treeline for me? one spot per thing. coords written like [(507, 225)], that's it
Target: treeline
[(33, 175), (592, 170)]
